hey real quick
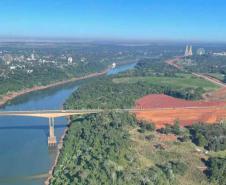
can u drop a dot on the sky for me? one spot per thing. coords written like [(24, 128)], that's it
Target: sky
[(201, 20)]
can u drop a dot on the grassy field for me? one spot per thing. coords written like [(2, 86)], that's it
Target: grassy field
[(149, 156), (180, 81)]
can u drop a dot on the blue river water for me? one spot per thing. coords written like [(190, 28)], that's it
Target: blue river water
[(24, 151)]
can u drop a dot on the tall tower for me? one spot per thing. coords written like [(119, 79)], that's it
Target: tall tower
[(190, 53), (33, 55), (186, 51)]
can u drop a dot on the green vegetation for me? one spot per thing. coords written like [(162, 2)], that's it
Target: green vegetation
[(152, 67), (97, 150), (212, 137), (181, 81), (171, 129), (144, 125), (217, 170)]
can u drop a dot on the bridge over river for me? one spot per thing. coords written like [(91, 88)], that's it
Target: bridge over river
[(51, 114)]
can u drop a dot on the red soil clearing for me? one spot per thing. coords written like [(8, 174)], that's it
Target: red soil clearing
[(166, 109)]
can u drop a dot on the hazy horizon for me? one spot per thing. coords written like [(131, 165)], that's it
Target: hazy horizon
[(110, 40)]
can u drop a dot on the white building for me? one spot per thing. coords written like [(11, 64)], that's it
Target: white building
[(83, 59), (70, 60), (113, 65), (32, 56), (12, 67), (201, 51)]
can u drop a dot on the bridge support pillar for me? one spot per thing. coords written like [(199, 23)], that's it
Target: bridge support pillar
[(52, 137)]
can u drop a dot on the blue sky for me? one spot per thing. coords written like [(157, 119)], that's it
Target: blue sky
[(127, 19)]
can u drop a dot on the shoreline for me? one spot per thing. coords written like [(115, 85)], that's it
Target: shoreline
[(8, 97), (59, 148)]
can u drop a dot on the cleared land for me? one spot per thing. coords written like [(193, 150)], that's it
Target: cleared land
[(167, 109)]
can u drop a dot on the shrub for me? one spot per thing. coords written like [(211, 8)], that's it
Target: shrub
[(146, 125)]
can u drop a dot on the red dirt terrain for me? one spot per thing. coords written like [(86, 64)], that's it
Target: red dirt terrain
[(166, 109)]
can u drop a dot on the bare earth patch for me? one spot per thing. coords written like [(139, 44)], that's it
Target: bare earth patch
[(163, 109)]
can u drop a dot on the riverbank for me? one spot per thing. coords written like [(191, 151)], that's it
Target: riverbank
[(6, 98), (59, 147)]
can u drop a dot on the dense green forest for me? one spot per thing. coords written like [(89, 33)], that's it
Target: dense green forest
[(97, 150), (152, 67)]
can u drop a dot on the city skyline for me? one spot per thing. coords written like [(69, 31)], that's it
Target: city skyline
[(115, 20)]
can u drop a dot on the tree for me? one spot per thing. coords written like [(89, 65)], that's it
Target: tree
[(144, 125), (175, 129), (201, 140)]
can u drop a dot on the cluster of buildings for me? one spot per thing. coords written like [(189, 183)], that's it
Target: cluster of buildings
[(10, 58), (12, 62), (201, 51), (189, 51)]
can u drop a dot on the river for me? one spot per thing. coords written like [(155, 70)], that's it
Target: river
[(24, 154)]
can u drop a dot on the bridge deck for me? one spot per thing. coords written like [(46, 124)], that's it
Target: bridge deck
[(63, 113)]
